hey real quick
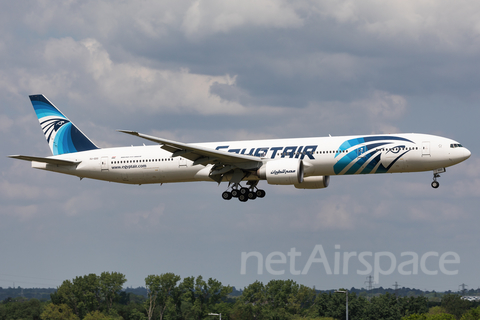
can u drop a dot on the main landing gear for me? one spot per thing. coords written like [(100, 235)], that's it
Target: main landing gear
[(244, 194), (436, 175)]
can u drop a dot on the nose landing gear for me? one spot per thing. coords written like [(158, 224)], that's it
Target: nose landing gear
[(436, 175)]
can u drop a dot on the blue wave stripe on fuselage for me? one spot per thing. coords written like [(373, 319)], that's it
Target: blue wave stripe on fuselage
[(352, 155), (382, 169), (345, 161), (357, 165), (356, 141), (372, 164), (44, 110), (351, 143)]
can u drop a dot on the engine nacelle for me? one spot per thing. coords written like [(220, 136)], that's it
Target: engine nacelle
[(314, 182), (284, 171)]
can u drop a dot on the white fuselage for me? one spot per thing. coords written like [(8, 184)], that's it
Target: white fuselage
[(324, 156)]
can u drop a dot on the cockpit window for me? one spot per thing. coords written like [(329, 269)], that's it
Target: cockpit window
[(456, 145)]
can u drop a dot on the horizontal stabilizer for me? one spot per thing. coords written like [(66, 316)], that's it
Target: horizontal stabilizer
[(47, 160)]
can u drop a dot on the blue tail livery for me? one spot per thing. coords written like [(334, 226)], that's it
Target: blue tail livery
[(61, 134)]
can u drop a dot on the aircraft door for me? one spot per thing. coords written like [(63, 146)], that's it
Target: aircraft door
[(104, 163), (361, 152), (426, 148), (182, 162)]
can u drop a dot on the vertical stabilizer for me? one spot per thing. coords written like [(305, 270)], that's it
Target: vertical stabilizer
[(61, 134)]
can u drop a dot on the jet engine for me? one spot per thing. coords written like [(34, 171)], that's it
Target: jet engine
[(283, 172), (313, 182)]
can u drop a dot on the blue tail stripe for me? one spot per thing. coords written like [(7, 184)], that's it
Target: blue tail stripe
[(44, 110), (78, 141), (67, 138)]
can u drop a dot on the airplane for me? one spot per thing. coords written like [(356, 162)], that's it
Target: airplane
[(304, 163)]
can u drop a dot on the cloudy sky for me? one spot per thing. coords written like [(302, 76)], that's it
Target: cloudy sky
[(213, 70)]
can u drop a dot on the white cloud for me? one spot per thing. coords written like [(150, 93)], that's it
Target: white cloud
[(81, 204), (433, 212), (469, 183), (324, 65), (24, 213), (144, 220), (448, 24), (335, 213), (378, 113), (21, 191), (71, 63), (206, 17), (383, 106), (5, 123)]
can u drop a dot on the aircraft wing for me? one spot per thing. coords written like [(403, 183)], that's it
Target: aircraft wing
[(46, 160), (201, 155)]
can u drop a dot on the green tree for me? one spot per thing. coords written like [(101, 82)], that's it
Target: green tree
[(20, 308), (87, 292), (383, 307), (65, 295), (58, 312), (279, 294), (436, 310), (90, 293), (131, 306), (110, 286), (472, 314), (426, 316), (152, 283), (415, 316), (454, 304), (198, 296), (441, 316), (303, 302), (412, 305), (334, 304), (96, 315), (251, 303), (161, 293)]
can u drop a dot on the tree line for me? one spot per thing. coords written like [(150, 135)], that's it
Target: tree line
[(169, 297)]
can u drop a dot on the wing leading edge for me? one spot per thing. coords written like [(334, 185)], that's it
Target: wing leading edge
[(202, 155)]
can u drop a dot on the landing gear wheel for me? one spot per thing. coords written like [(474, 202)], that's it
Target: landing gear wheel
[(227, 195), (235, 193), (243, 198), (260, 193), (436, 175), (252, 195), (244, 191)]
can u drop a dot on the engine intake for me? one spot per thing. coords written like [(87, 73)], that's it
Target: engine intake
[(282, 172)]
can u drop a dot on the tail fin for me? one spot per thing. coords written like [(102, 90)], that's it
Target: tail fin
[(61, 134)]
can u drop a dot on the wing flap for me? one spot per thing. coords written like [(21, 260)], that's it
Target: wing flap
[(46, 160)]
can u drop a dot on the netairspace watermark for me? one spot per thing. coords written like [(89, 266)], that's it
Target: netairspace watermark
[(379, 263)]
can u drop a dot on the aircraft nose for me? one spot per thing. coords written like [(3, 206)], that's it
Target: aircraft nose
[(462, 154), (466, 154)]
